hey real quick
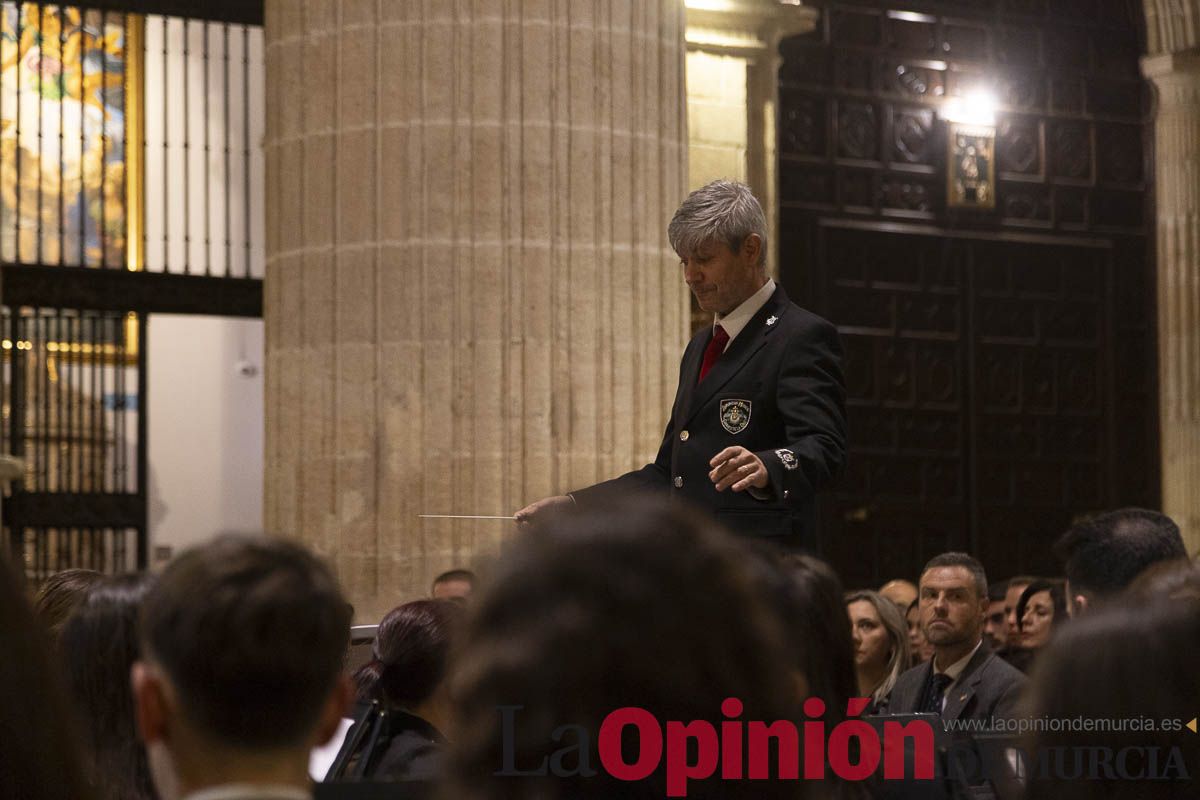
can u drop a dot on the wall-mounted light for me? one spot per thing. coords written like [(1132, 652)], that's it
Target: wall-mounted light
[(971, 150)]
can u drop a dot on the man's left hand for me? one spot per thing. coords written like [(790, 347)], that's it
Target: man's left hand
[(739, 469)]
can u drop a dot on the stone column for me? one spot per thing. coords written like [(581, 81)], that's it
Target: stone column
[(470, 300), (1177, 177)]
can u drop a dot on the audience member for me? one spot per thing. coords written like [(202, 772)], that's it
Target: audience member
[(995, 628), (964, 679), (1012, 623), (640, 605), (240, 674), (1175, 580), (900, 592), (1014, 650), (1120, 665), (1041, 609), (98, 646), (39, 754), (456, 585), (60, 594), (818, 630), (408, 677), (1103, 555), (813, 609), (919, 648), (880, 645)]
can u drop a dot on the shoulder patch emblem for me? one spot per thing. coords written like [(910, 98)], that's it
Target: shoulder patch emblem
[(787, 458), (735, 415)]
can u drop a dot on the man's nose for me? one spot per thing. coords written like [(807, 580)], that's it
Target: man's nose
[(692, 273)]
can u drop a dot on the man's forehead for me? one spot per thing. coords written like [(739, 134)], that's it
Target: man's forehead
[(946, 577)]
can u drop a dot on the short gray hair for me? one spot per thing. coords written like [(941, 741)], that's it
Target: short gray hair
[(967, 562), (722, 211)]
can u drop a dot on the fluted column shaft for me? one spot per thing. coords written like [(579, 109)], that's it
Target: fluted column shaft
[(470, 301), (1177, 178)]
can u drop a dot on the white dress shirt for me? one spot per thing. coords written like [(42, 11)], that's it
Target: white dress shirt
[(736, 320)]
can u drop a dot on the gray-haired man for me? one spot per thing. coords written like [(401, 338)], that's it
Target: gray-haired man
[(758, 423)]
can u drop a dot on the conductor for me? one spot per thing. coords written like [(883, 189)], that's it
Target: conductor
[(758, 424)]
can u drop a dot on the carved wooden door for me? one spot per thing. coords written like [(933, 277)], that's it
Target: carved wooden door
[(1000, 364)]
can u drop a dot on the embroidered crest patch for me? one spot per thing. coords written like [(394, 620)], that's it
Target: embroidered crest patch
[(735, 415), (787, 458)]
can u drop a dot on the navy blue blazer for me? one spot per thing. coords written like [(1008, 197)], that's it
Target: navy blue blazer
[(777, 391)]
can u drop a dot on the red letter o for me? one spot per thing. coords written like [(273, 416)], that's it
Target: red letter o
[(650, 744)]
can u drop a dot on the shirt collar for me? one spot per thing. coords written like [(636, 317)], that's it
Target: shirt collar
[(956, 669), (249, 791), (736, 320)]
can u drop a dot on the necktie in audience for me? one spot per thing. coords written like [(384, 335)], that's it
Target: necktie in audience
[(937, 691)]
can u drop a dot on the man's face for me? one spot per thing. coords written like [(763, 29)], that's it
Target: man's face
[(952, 611), (1011, 598), (995, 627), (722, 279)]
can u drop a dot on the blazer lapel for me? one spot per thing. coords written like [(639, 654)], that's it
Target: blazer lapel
[(741, 350), (961, 693), (689, 372)]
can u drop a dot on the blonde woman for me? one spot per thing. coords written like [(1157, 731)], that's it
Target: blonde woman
[(880, 644)]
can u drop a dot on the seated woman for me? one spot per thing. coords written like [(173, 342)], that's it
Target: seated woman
[(880, 644), (59, 596), (1041, 609), (407, 677), (98, 646)]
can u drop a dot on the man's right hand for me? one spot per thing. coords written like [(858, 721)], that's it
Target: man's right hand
[(527, 514)]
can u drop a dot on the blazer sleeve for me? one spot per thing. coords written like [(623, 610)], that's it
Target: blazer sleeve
[(655, 476), (811, 397), (1008, 701)]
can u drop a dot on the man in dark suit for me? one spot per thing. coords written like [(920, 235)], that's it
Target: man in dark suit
[(964, 679), (758, 423)]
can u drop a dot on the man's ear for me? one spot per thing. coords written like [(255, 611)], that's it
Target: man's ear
[(752, 247), (150, 706), (336, 707)]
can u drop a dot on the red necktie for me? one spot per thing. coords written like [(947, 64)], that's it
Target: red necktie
[(715, 347)]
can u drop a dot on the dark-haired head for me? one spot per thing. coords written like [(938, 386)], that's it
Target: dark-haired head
[(98, 645), (640, 604), (1169, 580), (454, 584), (1121, 665), (967, 562), (1103, 555), (1041, 609), (62, 593), (818, 628), (40, 757), (411, 654), (249, 633)]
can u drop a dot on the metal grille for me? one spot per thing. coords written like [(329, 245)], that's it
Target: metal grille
[(128, 185), (203, 90), (71, 386)]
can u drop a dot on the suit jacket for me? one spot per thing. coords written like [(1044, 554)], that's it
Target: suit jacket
[(988, 688), (777, 391)]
